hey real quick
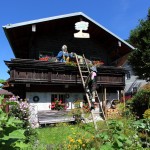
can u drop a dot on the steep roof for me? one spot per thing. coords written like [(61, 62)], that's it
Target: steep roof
[(19, 34)]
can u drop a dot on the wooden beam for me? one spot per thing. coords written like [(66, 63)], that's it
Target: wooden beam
[(123, 98), (105, 98)]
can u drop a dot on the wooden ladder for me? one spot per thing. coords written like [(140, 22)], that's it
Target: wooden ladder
[(84, 74)]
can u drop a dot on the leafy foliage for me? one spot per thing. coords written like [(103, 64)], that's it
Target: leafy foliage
[(143, 128), (140, 102), (1, 82), (147, 114), (20, 109), (11, 133), (140, 57), (119, 136), (15, 129)]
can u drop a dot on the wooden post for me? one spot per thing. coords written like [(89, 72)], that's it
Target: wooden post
[(105, 100), (123, 98), (120, 95)]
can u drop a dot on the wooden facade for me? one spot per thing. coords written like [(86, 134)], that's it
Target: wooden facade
[(29, 74), (60, 77)]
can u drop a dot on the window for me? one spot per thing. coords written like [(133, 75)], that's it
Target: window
[(59, 97), (128, 75)]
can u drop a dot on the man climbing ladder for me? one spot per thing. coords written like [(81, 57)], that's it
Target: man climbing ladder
[(91, 84), (87, 77)]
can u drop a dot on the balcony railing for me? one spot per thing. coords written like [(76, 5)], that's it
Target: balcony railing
[(51, 77)]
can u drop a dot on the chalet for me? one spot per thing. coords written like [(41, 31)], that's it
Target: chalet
[(42, 81)]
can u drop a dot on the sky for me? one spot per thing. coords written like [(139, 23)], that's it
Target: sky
[(118, 16)]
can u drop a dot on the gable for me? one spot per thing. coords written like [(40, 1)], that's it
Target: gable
[(51, 33)]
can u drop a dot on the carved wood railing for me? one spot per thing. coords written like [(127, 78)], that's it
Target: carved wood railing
[(65, 78), (29, 76), (110, 79), (52, 77)]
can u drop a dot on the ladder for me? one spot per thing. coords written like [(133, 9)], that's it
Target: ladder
[(84, 74)]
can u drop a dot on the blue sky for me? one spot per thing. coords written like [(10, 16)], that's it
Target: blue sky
[(118, 16)]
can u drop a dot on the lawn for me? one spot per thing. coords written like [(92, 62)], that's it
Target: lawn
[(60, 133), (66, 133)]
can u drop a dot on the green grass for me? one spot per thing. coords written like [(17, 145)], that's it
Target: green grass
[(83, 136), (60, 133), (51, 137)]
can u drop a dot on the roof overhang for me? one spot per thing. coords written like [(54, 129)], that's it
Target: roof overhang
[(19, 34)]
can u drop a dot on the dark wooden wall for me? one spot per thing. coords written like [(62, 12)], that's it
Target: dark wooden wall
[(52, 42)]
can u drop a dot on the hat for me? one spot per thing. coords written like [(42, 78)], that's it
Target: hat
[(93, 68), (64, 47)]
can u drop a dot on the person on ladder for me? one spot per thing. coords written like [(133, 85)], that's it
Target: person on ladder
[(91, 85)]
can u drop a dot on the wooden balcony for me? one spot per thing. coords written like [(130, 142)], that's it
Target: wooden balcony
[(62, 78), (29, 76)]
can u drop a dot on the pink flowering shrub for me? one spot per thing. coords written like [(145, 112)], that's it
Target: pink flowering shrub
[(58, 105), (19, 109)]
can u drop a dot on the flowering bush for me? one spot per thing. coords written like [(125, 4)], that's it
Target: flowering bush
[(20, 109), (58, 105)]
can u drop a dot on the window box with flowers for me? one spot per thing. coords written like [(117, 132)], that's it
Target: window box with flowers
[(58, 105)]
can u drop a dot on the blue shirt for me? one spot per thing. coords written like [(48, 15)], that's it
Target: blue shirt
[(60, 55)]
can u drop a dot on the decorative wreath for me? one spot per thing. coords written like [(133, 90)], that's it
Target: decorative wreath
[(36, 98)]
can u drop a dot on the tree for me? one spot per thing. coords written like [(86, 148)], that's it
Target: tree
[(1, 82), (139, 59)]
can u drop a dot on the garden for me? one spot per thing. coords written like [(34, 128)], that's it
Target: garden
[(130, 130)]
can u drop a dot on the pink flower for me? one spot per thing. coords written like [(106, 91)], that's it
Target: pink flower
[(52, 106)]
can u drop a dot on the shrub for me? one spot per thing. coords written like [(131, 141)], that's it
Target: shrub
[(140, 102), (143, 128), (11, 132), (119, 136), (147, 114), (20, 110)]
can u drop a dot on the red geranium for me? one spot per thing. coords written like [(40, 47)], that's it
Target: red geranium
[(58, 105)]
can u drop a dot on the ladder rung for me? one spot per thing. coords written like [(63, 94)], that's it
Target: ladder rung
[(81, 65), (84, 71), (84, 76)]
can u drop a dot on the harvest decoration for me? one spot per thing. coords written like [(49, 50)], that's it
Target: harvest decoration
[(71, 63)]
